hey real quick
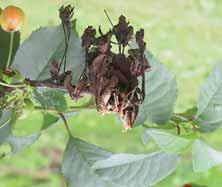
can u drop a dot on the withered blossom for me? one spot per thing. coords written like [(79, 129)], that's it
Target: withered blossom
[(113, 77)]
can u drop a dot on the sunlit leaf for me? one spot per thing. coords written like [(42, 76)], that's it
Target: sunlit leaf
[(161, 93), (87, 165), (77, 162), (209, 115), (168, 142), (137, 170), (205, 157)]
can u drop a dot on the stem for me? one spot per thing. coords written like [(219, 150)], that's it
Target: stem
[(107, 15), (65, 123), (67, 43), (10, 49), (178, 129), (12, 85), (64, 31), (156, 127)]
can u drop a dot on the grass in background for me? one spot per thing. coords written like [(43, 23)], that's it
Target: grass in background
[(184, 34)]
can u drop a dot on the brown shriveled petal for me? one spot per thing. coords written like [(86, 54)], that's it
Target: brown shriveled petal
[(103, 42), (88, 36), (79, 89), (136, 61), (96, 66), (98, 72), (104, 98), (140, 39), (123, 31), (54, 70), (129, 35), (128, 114), (120, 64), (68, 83), (66, 13)]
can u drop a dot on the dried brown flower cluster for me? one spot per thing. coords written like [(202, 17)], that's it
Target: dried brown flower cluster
[(113, 77)]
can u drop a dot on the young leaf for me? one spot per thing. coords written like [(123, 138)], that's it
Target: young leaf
[(161, 93), (168, 142), (35, 55), (34, 122), (205, 157), (186, 116), (4, 46), (77, 161), (48, 120), (209, 115), (137, 170)]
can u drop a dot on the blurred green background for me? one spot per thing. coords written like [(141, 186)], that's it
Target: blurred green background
[(186, 35)]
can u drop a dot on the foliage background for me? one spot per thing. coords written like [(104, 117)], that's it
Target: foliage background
[(184, 34)]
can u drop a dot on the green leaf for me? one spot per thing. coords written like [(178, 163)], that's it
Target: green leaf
[(88, 165), (189, 113), (77, 161), (209, 115), (6, 137), (4, 46), (137, 170), (51, 120), (33, 122), (184, 117), (35, 55), (205, 157), (161, 93), (51, 98), (48, 120), (38, 121), (168, 142)]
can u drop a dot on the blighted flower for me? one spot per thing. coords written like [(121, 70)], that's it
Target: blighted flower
[(123, 31), (66, 14), (88, 37), (113, 77), (140, 39)]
